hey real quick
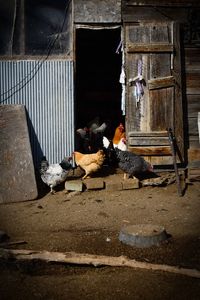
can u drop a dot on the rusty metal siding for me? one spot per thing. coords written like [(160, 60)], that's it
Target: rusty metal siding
[(47, 90)]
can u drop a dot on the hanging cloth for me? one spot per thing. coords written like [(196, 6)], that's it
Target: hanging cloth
[(122, 80), (138, 82)]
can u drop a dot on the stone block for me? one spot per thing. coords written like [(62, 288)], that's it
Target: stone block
[(74, 185), (114, 186), (130, 183), (94, 183)]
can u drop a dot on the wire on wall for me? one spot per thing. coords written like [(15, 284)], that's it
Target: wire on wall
[(39, 63)]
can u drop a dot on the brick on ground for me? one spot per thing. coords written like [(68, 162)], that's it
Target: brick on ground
[(130, 183), (94, 183), (74, 185), (114, 186)]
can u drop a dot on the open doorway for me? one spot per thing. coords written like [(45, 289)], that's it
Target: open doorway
[(98, 68)]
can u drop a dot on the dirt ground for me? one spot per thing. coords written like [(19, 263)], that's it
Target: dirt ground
[(90, 222)]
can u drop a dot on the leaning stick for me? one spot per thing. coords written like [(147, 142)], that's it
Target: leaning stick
[(90, 259)]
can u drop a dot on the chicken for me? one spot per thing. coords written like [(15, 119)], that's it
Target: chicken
[(83, 140), (109, 144), (54, 174), (89, 139), (95, 128), (109, 150), (90, 163), (131, 163), (121, 145), (119, 134)]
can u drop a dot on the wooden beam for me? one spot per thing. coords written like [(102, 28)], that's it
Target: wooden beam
[(163, 3), (148, 134), (161, 82), (90, 259), (149, 48), (151, 141), (151, 151)]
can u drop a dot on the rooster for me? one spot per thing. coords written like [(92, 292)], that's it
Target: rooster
[(54, 174), (119, 134), (131, 163), (90, 163)]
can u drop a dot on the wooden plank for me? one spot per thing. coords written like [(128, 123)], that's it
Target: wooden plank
[(199, 125), (174, 3), (163, 82), (193, 125), (153, 14), (193, 90), (153, 141), (91, 259), (18, 181), (178, 103), (160, 65), (194, 141), (148, 134), (161, 109), (161, 33), (137, 34), (150, 48), (193, 79), (157, 151), (194, 154), (193, 103)]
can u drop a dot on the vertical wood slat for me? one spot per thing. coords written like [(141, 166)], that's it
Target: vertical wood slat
[(178, 106), (161, 107)]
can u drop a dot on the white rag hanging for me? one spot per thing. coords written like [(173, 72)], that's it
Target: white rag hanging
[(122, 80), (138, 82)]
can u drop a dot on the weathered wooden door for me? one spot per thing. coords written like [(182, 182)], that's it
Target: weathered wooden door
[(154, 101)]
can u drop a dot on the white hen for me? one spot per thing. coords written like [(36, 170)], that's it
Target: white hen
[(54, 174), (121, 145)]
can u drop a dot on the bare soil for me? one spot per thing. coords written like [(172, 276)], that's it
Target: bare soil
[(90, 222)]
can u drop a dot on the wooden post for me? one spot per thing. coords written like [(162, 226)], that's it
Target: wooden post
[(171, 140)]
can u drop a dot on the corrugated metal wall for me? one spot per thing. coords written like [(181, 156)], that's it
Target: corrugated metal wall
[(46, 89)]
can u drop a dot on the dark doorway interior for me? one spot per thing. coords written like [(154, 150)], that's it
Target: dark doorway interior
[(98, 67)]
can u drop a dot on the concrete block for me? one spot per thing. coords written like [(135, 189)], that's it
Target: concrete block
[(130, 183), (114, 186), (74, 185), (18, 181), (94, 183)]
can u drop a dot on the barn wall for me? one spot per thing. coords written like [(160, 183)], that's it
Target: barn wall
[(36, 70), (192, 63), (187, 14), (46, 90), (94, 11)]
